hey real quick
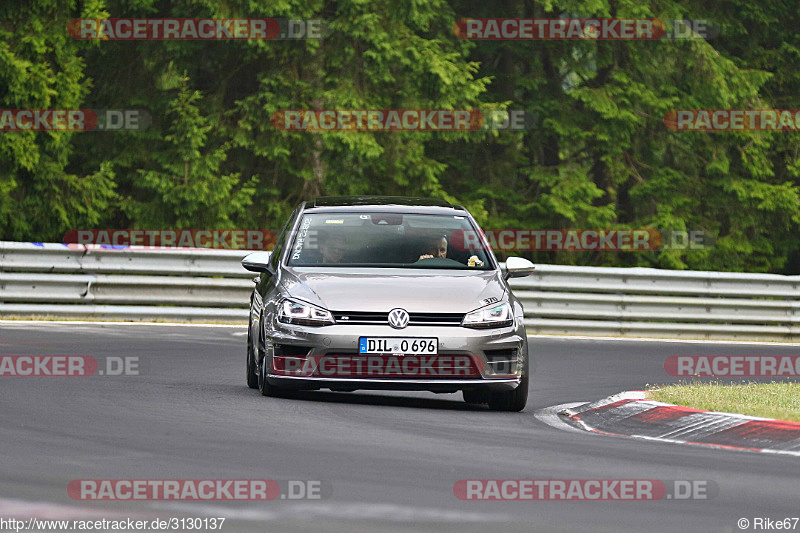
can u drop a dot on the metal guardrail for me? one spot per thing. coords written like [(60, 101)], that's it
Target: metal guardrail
[(78, 258), (125, 283), (210, 285)]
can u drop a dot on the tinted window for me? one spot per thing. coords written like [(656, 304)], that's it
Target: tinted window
[(388, 240)]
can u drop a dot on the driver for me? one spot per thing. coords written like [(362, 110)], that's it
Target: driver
[(332, 248), (436, 247)]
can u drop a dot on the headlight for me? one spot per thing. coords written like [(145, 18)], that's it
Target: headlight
[(297, 312), (492, 316)]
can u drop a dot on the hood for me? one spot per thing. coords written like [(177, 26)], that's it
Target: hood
[(416, 291)]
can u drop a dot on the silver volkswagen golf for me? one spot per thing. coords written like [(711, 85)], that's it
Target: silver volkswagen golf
[(387, 293)]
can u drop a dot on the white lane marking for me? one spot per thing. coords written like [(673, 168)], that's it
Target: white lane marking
[(46, 510), (549, 415), (656, 339), (387, 512)]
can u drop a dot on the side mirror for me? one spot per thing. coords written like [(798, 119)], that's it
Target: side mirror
[(257, 262), (518, 267)]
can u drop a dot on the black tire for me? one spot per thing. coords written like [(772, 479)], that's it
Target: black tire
[(475, 396), (516, 399), (263, 386), (252, 375)]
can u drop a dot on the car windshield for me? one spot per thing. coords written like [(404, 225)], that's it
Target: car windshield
[(387, 240)]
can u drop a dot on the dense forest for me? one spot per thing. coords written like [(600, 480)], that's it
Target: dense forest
[(599, 154)]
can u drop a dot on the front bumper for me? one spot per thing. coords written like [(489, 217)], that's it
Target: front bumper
[(431, 385), (500, 355)]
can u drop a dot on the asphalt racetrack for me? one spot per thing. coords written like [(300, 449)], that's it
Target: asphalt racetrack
[(390, 459)]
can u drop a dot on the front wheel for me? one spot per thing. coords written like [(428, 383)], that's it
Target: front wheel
[(514, 400), (263, 386), (475, 396), (252, 376)]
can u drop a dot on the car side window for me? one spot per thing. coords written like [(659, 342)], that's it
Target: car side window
[(281, 242)]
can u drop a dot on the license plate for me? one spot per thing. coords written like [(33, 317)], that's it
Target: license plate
[(398, 345)]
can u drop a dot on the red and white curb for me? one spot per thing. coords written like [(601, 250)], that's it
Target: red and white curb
[(631, 414)]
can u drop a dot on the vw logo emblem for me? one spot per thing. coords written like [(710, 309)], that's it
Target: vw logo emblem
[(398, 318)]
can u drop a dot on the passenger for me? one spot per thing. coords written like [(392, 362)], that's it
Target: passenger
[(435, 248)]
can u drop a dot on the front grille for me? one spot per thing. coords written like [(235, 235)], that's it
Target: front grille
[(344, 317), (415, 319), (435, 319)]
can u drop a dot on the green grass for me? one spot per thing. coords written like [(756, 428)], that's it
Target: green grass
[(779, 400)]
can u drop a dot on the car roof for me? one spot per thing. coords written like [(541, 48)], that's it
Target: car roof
[(403, 204)]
